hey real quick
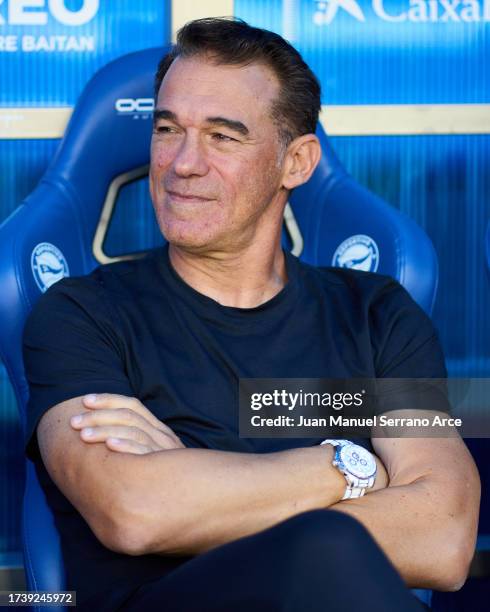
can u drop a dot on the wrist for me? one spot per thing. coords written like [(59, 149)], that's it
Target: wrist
[(357, 465), (334, 481)]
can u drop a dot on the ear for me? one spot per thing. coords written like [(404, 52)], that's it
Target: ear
[(301, 159)]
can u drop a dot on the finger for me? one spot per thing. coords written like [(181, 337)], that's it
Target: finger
[(127, 446), (100, 434), (127, 417), (99, 401), (115, 416), (108, 400)]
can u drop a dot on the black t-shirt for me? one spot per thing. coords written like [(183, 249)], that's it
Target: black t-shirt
[(136, 328)]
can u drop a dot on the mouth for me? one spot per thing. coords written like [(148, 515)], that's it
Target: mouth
[(187, 198)]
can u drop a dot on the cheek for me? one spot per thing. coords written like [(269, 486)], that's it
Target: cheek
[(257, 183), (239, 174), (160, 157), (160, 161)]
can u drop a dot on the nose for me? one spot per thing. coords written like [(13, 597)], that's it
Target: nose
[(190, 157)]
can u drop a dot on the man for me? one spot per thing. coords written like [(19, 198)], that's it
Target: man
[(134, 371)]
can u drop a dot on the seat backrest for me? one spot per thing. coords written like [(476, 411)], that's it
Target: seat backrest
[(343, 224), (487, 248), (51, 235)]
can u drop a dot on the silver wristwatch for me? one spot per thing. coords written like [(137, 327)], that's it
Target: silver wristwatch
[(357, 465)]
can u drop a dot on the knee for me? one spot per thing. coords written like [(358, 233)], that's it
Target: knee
[(325, 535), (320, 524), (305, 555)]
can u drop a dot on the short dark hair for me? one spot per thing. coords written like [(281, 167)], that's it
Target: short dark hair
[(232, 41)]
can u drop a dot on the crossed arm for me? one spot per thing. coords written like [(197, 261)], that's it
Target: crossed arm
[(150, 494)]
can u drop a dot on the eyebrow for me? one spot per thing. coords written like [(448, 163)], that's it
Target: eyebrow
[(232, 124), (162, 113)]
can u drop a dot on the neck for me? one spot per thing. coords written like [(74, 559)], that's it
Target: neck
[(244, 278)]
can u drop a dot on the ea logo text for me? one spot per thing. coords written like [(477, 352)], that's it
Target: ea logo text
[(35, 12)]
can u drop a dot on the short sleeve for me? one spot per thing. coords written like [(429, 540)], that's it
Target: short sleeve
[(405, 343), (70, 348), (406, 346)]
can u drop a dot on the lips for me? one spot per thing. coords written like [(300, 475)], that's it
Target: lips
[(187, 197)]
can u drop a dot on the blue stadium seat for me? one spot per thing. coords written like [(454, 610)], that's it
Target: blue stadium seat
[(487, 248), (51, 235)]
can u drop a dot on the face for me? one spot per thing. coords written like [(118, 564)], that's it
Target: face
[(215, 174)]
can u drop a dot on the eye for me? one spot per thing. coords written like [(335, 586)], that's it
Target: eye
[(222, 137), (163, 129)]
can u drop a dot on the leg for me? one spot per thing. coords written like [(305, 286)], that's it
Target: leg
[(316, 561)]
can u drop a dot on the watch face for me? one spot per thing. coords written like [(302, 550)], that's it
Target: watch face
[(358, 461)]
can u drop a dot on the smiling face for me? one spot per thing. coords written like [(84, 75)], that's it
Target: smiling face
[(216, 172)]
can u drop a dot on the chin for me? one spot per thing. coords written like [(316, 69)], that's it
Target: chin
[(190, 239)]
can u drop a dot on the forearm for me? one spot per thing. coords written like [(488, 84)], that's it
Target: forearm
[(186, 501), (426, 528)]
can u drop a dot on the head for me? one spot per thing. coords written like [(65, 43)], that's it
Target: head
[(236, 112)]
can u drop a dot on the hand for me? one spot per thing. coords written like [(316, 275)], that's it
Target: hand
[(124, 425)]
